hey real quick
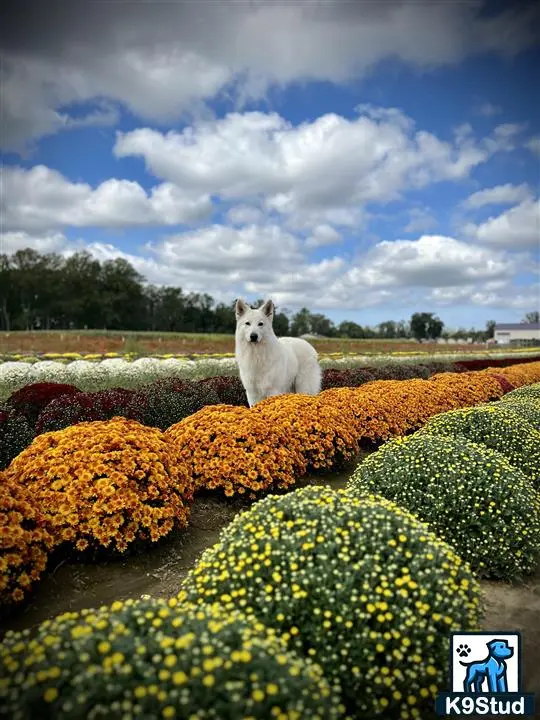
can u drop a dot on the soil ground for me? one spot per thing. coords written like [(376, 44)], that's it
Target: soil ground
[(37, 342), (73, 585)]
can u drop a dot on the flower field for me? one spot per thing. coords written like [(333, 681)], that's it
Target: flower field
[(313, 602), (101, 372), (81, 342)]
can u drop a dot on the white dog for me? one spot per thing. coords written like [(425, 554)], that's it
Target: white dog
[(270, 365)]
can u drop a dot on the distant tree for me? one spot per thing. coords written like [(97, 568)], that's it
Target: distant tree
[(224, 318), (281, 324), (387, 329), (531, 317), (402, 329), (490, 329), (321, 325), (460, 334), (350, 329), (301, 323), (426, 326)]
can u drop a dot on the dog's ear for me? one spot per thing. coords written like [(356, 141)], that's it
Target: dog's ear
[(268, 308), (240, 308)]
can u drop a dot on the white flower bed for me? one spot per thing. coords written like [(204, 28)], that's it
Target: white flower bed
[(120, 372), (112, 372)]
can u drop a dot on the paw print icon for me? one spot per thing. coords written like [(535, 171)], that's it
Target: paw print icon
[(463, 650)]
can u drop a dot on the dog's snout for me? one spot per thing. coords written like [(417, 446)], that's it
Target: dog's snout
[(253, 337)]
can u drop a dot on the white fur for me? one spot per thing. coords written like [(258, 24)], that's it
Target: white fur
[(272, 365)]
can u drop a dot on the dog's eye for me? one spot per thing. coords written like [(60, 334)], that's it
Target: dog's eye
[(248, 323), (260, 324)]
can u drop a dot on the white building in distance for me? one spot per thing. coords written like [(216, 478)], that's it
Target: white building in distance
[(517, 334)]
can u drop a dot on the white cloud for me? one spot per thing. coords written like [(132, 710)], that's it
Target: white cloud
[(244, 215), (263, 259), (330, 165), (499, 195), (322, 236), (49, 242), (501, 297), (406, 271), (533, 144), (430, 261), (421, 220), (517, 228), (163, 59), (42, 199), (505, 137), (487, 109)]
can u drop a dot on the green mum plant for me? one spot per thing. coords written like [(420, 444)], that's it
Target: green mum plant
[(360, 586), (526, 391), (524, 407), (497, 428), (156, 659), (485, 507)]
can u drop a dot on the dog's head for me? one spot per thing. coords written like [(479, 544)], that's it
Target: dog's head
[(500, 650), (254, 326)]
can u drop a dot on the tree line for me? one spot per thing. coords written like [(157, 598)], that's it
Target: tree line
[(52, 292)]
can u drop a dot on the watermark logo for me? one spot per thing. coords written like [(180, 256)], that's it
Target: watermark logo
[(485, 676)]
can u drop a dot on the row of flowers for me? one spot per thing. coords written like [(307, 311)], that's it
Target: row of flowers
[(92, 375), (117, 483), (316, 603), (473, 475), (131, 356), (45, 406)]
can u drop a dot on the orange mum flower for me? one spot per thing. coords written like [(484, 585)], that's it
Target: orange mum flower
[(89, 480), (236, 450), (24, 541), (322, 433)]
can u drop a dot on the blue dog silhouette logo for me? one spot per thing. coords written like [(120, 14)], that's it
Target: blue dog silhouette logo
[(485, 676), (491, 669)]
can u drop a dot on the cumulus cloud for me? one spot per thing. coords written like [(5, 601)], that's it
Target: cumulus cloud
[(505, 137), (502, 296), (507, 194), (517, 228), (244, 215), (315, 170), (261, 260), (420, 220), (266, 259), (533, 144), (322, 236), (12, 241), (42, 199), (164, 59)]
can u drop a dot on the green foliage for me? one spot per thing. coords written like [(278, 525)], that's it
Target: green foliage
[(497, 428), (15, 434), (525, 407), (468, 494), (166, 402), (152, 659), (525, 392), (359, 585), (426, 326)]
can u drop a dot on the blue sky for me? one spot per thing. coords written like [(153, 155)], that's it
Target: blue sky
[(364, 161)]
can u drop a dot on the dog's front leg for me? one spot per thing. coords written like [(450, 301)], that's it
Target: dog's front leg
[(492, 679), (502, 685), (253, 397)]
